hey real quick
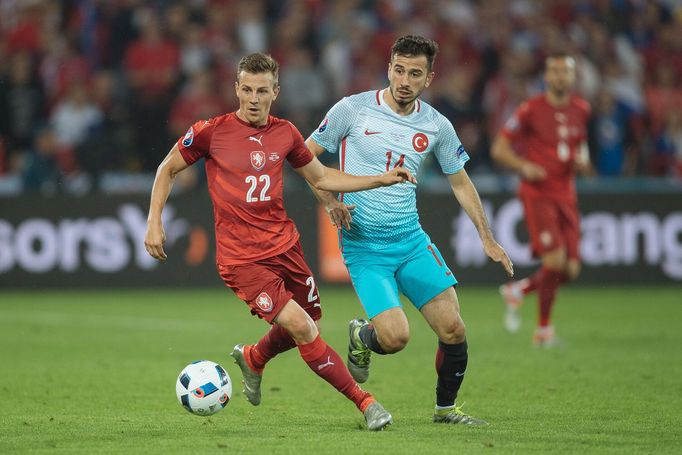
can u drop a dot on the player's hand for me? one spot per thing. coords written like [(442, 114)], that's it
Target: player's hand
[(153, 241), (583, 167), (397, 175), (581, 163), (533, 172), (339, 213), (495, 252)]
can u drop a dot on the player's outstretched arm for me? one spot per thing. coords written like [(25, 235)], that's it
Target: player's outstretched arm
[(503, 153), (338, 212), (328, 179), (468, 198), (155, 236)]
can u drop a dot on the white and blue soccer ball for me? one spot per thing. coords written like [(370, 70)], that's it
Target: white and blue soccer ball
[(203, 387)]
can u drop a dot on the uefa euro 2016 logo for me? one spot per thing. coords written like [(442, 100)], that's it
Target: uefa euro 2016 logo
[(189, 137)]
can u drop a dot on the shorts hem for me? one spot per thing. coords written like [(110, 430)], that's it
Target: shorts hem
[(372, 316), (420, 305)]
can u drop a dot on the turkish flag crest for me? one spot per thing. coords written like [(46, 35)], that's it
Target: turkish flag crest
[(420, 142), (264, 302), (258, 160)]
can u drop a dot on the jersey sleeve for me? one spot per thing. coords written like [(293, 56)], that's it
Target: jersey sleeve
[(336, 125), (299, 155), (515, 125), (196, 143), (449, 150), (587, 113)]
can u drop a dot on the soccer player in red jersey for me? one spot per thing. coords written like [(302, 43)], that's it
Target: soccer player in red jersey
[(258, 252), (549, 132)]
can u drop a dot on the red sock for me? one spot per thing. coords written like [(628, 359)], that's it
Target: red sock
[(533, 282), (547, 289), (327, 364), (276, 341)]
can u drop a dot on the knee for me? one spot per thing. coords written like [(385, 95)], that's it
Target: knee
[(558, 264), (555, 260), (453, 333), (303, 330), (393, 342)]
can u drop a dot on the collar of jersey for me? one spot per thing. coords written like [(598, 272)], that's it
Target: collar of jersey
[(384, 105), (259, 128)]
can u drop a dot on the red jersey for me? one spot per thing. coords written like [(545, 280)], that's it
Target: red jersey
[(550, 137), (244, 172)]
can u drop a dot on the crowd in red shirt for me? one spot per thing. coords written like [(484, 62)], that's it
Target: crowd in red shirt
[(151, 68)]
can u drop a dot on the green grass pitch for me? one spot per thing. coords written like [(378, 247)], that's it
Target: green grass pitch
[(94, 372)]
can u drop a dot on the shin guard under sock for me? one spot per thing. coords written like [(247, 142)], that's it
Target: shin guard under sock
[(451, 363), (327, 364), (276, 341), (547, 290), (368, 335)]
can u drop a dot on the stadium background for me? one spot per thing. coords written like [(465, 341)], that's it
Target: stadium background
[(93, 94)]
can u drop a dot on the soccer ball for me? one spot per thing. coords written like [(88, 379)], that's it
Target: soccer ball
[(203, 387)]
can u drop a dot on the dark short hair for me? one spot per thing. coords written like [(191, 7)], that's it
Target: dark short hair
[(257, 63), (414, 46)]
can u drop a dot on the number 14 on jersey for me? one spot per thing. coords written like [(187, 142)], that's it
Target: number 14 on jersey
[(399, 163)]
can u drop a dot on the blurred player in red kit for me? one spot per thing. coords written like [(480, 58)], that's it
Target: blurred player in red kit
[(545, 142), (258, 252)]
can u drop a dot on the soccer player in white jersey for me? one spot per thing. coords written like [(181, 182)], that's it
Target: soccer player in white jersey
[(384, 247)]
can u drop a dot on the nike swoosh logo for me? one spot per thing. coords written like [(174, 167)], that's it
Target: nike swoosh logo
[(459, 375), (369, 133), (317, 305)]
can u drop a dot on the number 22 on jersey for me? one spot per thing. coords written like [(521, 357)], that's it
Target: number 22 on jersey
[(254, 181)]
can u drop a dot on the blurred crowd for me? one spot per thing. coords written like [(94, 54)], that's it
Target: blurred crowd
[(95, 86)]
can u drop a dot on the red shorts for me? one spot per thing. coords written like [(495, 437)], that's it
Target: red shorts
[(268, 284), (551, 225)]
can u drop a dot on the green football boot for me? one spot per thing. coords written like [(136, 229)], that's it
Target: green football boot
[(456, 415), (359, 355)]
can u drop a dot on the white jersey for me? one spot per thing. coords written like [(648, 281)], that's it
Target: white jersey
[(371, 139)]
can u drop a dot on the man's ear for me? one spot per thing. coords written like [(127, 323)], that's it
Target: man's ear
[(429, 78)]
